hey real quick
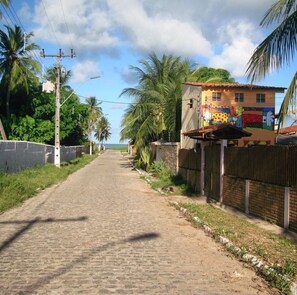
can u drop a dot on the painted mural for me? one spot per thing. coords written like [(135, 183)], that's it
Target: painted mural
[(242, 117)]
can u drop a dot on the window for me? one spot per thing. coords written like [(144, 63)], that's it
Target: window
[(191, 103), (216, 96), (239, 97), (260, 98)]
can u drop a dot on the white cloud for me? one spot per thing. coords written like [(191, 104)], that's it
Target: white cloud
[(223, 33), (84, 70), (157, 32), (239, 45), (83, 25)]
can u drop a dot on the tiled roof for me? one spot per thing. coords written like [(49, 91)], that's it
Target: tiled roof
[(287, 130), (233, 85)]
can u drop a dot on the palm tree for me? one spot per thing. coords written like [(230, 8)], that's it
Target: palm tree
[(16, 65), (157, 108), (277, 50), (5, 2), (51, 74), (95, 111), (102, 130), (2, 131)]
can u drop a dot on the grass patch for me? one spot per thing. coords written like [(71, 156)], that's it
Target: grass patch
[(278, 252), (15, 188), (162, 179)]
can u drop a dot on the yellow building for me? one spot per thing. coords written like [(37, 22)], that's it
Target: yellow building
[(246, 106)]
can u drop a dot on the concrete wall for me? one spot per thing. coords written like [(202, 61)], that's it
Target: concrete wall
[(18, 155), (189, 114), (167, 153)]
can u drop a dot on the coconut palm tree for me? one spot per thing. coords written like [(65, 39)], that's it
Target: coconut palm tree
[(102, 130), (51, 74), (277, 50), (157, 107), (2, 132), (94, 111), (156, 110), (16, 65)]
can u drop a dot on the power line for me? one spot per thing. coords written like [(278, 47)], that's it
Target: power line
[(66, 24), (108, 101), (50, 24)]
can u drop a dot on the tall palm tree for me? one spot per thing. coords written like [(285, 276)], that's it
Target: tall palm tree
[(157, 108), (102, 130), (51, 74), (2, 131), (94, 111), (16, 65), (277, 50)]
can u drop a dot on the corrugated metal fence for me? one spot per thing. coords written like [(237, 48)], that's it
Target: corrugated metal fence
[(18, 155)]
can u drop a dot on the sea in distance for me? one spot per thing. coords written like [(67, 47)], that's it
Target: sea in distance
[(116, 145)]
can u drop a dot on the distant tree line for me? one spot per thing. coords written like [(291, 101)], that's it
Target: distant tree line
[(26, 112)]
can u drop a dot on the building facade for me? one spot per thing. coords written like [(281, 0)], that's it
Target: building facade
[(250, 107)]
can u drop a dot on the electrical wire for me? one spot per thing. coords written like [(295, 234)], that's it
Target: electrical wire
[(69, 34), (108, 101), (50, 24)]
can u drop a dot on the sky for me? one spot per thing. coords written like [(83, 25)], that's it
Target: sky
[(109, 36)]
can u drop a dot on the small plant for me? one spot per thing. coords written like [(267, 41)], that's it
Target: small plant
[(158, 169)]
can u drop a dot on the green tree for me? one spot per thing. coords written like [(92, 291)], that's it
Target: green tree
[(17, 67), (211, 75), (94, 112), (156, 110), (51, 75), (102, 130), (277, 50)]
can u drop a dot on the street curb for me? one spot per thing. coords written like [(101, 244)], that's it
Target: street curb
[(252, 260)]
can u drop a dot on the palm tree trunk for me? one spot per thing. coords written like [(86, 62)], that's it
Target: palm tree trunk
[(2, 131), (8, 101)]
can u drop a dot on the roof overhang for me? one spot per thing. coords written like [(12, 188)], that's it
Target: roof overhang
[(224, 131)]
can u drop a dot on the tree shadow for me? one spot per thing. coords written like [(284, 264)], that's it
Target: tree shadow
[(29, 224)]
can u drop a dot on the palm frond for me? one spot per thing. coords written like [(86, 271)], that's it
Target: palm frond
[(289, 101), (277, 50)]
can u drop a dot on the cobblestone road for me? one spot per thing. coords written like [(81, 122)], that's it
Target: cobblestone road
[(104, 231)]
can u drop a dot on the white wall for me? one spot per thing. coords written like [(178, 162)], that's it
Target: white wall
[(189, 115), (18, 155)]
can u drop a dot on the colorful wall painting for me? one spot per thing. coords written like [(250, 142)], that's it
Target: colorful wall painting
[(242, 117)]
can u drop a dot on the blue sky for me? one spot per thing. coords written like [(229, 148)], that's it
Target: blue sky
[(110, 35)]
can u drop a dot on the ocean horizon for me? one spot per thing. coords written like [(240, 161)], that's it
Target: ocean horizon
[(115, 145)]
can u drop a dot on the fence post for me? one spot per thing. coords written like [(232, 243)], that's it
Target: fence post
[(202, 163), (287, 208), (247, 196), (222, 168)]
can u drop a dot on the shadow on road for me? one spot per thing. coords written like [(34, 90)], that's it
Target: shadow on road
[(86, 256), (30, 223)]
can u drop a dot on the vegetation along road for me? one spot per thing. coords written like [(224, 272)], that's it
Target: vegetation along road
[(105, 231)]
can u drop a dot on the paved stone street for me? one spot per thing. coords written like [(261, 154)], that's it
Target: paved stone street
[(105, 231)]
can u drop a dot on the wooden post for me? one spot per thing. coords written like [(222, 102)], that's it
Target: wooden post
[(202, 167), (287, 208), (247, 196), (222, 168)]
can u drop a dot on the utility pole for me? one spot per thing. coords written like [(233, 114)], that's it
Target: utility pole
[(59, 56)]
